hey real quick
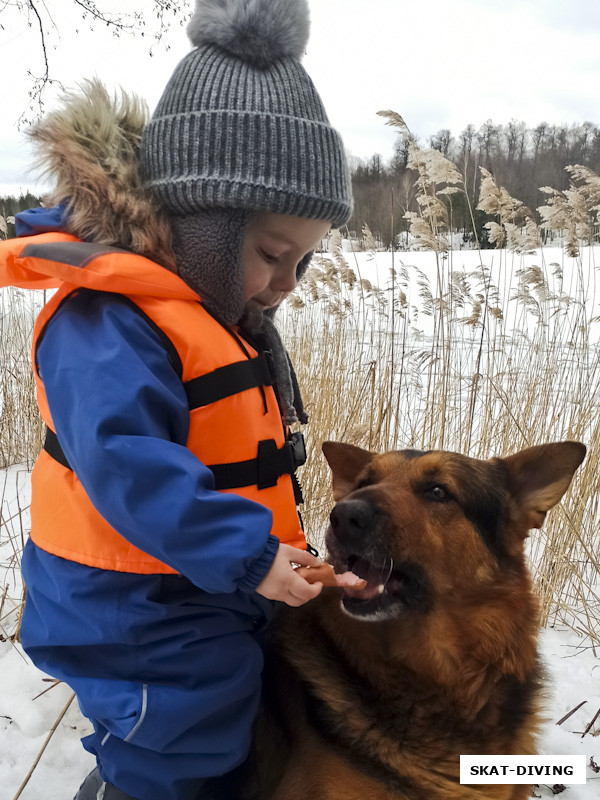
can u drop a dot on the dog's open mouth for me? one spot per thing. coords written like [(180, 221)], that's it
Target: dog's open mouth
[(376, 576), (386, 588)]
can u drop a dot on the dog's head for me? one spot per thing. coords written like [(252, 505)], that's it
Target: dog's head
[(424, 527)]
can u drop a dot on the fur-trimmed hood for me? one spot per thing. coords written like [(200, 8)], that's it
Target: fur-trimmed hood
[(89, 147)]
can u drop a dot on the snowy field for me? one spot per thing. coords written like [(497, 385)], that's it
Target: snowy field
[(31, 704)]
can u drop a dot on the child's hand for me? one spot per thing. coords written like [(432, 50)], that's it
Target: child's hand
[(283, 583)]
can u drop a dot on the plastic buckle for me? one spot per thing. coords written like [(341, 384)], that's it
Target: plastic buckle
[(298, 449)]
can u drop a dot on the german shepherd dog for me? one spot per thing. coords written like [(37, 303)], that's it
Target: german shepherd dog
[(375, 693)]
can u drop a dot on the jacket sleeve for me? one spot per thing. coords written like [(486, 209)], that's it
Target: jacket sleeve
[(121, 416)]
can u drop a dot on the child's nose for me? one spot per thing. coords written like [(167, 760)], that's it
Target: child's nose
[(285, 280)]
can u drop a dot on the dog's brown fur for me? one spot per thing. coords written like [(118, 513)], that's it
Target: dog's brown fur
[(378, 698)]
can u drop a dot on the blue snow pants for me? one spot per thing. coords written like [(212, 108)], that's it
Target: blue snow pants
[(168, 675)]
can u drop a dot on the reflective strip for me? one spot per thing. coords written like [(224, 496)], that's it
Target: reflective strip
[(142, 713), (75, 254)]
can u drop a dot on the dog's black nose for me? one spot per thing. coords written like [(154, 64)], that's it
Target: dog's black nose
[(352, 517)]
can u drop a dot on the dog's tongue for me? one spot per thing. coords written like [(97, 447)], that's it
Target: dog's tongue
[(375, 578), (370, 591)]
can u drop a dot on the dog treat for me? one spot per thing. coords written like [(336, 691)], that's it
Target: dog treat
[(325, 574)]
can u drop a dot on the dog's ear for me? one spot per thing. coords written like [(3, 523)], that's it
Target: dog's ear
[(346, 462), (539, 476)]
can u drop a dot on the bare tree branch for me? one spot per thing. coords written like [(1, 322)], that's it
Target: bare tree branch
[(39, 83), (131, 22), (42, 37)]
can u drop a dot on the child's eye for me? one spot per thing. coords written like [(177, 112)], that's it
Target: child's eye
[(269, 257)]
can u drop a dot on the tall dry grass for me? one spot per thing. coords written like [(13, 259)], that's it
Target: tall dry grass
[(21, 435), (20, 425), (484, 361)]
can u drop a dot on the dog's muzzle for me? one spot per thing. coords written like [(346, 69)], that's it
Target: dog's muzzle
[(352, 519)]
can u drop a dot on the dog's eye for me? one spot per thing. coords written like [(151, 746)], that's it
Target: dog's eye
[(437, 493)]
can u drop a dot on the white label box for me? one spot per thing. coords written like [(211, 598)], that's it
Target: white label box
[(567, 769)]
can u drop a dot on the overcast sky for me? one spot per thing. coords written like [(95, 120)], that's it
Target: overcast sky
[(439, 64)]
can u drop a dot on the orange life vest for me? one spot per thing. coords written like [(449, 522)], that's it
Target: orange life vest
[(239, 434)]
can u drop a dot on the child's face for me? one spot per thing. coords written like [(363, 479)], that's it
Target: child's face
[(274, 245)]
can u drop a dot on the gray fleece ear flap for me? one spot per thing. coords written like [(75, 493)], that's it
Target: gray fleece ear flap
[(208, 248)]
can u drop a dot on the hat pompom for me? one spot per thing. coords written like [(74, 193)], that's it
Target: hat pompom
[(259, 32)]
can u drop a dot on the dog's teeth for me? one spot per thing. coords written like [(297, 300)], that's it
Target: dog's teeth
[(380, 588)]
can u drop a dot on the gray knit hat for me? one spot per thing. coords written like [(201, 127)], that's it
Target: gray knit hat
[(240, 123)]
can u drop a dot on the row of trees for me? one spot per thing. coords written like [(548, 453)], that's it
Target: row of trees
[(521, 159)]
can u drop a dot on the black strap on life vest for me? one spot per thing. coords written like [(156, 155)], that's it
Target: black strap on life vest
[(53, 448), (263, 471), (231, 379)]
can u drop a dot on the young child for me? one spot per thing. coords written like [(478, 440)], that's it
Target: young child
[(164, 503)]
